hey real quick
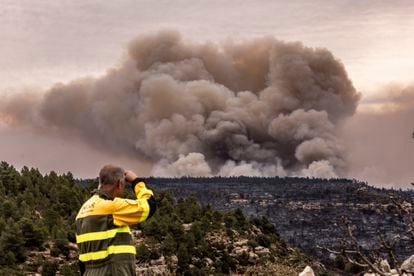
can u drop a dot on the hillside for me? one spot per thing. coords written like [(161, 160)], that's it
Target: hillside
[(203, 225), (185, 238), (37, 215), (37, 233), (306, 212)]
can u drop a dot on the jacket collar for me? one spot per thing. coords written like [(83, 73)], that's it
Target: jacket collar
[(102, 194)]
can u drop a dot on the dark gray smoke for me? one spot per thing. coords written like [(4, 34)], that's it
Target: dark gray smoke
[(259, 107)]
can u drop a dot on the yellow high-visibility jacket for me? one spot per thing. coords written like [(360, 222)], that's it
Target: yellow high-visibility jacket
[(103, 234)]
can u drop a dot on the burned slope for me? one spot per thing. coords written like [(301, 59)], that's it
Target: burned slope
[(306, 212)]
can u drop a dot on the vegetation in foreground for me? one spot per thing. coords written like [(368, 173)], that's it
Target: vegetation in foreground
[(37, 215), (37, 233), (185, 238)]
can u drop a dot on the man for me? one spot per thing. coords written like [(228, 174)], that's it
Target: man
[(102, 224)]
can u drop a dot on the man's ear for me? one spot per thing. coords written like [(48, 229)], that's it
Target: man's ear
[(119, 184)]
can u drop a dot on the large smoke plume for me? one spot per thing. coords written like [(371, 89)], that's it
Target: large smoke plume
[(259, 107)]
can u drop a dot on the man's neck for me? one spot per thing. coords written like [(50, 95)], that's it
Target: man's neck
[(104, 194)]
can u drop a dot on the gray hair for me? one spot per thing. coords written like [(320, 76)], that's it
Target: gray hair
[(110, 174)]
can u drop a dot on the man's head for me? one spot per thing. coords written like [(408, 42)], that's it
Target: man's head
[(112, 180)]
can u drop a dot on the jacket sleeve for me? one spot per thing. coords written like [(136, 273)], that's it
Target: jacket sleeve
[(127, 211)]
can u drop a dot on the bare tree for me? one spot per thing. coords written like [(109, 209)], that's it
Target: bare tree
[(372, 260)]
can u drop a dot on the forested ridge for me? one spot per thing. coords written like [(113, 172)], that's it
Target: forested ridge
[(37, 214), (200, 226), (305, 209)]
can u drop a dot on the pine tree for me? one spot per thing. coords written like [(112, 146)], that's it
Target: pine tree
[(33, 234), (12, 241)]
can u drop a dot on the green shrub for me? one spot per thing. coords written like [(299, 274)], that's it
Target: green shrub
[(49, 268), (70, 269), (252, 243), (143, 253), (263, 240)]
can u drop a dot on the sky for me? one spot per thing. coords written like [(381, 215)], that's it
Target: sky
[(53, 42), (59, 41)]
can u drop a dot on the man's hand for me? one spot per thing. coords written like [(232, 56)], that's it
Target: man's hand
[(130, 176)]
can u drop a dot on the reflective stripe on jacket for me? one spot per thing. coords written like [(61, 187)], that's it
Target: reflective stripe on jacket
[(102, 228)]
